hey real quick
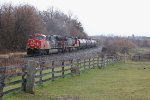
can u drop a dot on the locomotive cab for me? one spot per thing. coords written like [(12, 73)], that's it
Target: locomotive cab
[(37, 43)]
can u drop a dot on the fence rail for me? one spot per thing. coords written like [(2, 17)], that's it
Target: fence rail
[(11, 79), (24, 77)]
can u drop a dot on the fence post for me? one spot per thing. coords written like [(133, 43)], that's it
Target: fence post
[(110, 60), (93, 63), (80, 67), (52, 70), (2, 79), (31, 70), (104, 61), (84, 64), (41, 70), (98, 62), (89, 62), (23, 77), (78, 63), (107, 61), (113, 60), (71, 63), (63, 68)]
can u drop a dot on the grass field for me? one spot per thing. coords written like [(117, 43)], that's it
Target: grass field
[(130, 81), (140, 51)]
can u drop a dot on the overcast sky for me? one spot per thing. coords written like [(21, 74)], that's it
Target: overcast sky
[(117, 17)]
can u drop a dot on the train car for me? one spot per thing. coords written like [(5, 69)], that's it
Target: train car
[(77, 43), (88, 43), (81, 43), (84, 44), (37, 43), (57, 42), (72, 43)]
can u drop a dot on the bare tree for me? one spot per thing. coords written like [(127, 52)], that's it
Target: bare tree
[(16, 24), (56, 22), (27, 22)]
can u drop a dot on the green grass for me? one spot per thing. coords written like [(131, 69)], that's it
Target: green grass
[(130, 81)]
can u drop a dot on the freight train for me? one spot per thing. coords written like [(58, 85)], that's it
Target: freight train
[(46, 44)]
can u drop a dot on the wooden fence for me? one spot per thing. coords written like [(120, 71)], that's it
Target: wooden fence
[(141, 57), (24, 77)]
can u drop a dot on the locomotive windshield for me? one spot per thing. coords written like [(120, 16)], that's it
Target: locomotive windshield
[(38, 37)]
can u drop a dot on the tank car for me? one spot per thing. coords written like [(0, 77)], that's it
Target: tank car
[(81, 43), (88, 43)]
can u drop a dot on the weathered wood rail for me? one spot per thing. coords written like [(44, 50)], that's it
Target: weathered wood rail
[(11, 79), (24, 77)]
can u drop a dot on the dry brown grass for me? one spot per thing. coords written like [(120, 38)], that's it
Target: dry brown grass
[(11, 61)]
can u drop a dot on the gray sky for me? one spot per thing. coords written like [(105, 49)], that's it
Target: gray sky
[(107, 17)]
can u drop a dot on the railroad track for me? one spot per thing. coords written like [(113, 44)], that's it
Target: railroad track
[(85, 53), (7, 60)]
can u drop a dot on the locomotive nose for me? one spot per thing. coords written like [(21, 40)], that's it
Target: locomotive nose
[(33, 44)]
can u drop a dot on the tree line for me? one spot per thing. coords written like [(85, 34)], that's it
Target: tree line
[(18, 22), (119, 45)]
